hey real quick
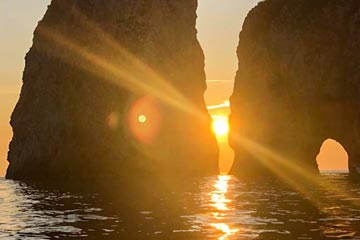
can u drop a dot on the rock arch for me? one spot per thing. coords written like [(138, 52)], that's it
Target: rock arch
[(297, 85)]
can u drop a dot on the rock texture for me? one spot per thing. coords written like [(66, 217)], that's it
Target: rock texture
[(297, 85), (113, 88)]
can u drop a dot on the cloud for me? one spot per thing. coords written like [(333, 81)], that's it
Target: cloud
[(219, 117), (225, 104), (219, 81)]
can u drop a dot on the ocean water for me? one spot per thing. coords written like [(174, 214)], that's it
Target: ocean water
[(221, 207)]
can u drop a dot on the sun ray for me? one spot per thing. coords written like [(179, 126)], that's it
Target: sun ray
[(124, 70), (291, 173)]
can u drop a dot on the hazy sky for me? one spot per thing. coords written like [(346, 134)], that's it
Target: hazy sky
[(219, 24), (18, 19)]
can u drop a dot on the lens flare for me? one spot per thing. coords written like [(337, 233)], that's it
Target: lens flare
[(144, 119), (113, 120)]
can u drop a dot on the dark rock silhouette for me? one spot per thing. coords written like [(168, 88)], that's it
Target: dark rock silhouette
[(113, 88), (297, 85)]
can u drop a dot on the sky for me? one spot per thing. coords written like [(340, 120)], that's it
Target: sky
[(219, 24), (18, 19)]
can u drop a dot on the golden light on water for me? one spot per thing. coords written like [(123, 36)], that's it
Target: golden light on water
[(225, 229), (221, 203), (218, 198)]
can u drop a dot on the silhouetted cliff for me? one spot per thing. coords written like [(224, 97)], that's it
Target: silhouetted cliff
[(297, 85), (113, 88)]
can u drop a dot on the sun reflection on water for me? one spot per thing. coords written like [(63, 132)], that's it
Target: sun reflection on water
[(221, 206)]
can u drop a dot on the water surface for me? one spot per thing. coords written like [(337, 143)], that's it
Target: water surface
[(221, 208)]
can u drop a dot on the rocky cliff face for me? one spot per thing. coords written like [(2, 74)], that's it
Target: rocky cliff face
[(297, 85), (113, 88)]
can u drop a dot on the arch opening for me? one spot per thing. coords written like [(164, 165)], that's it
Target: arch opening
[(332, 157)]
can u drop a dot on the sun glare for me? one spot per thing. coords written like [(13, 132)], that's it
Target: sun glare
[(220, 126)]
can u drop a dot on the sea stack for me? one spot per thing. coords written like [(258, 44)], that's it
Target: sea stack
[(113, 88), (297, 85)]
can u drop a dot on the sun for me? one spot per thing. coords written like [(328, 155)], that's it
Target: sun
[(220, 126)]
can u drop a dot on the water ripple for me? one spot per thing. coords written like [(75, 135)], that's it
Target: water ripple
[(215, 208)]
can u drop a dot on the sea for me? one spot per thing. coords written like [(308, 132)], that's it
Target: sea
[(220, 207)]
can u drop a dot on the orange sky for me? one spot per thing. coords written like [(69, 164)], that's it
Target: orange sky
[(219, 24)]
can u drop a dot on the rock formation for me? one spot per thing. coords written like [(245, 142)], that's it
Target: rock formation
[(297, 85), (113, 88)]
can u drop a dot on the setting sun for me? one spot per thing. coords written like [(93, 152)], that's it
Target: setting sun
[(220, 126)]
